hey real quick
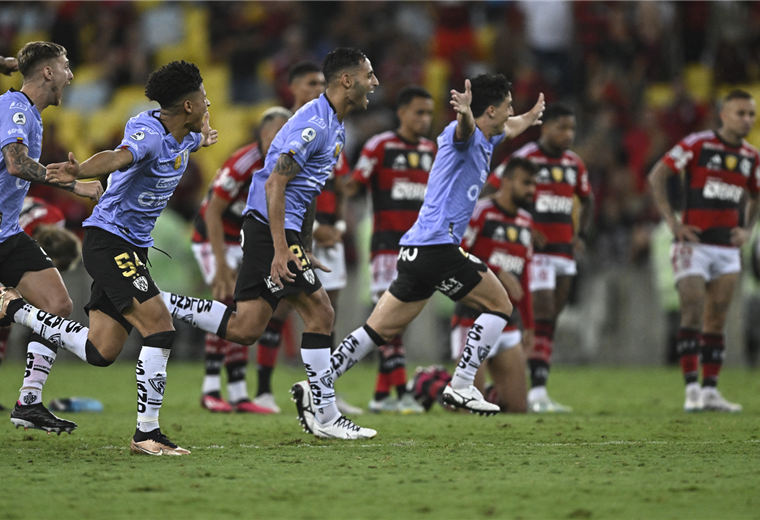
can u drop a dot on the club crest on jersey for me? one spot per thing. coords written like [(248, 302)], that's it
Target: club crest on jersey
[(731, 162), (19, 118), (309, 275), (512, 234), (141, 283), (137, 136), (308, 134), (414, 159), (557, 174)]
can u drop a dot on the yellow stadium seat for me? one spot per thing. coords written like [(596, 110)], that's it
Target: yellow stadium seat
[(659, 95), (698, 79)]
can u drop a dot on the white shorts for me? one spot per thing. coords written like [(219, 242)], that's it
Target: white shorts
[(506, 341), (705, 260), (233, 254), (544, 270), (334, 258), (383, 273)]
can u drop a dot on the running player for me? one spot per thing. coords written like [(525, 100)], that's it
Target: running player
[(561, 177), (216, 245), (431, 259), (718, 166), (145, 168), (395, 166), (45, 71)]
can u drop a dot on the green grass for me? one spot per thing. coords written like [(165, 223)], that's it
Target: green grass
[(628, 451)]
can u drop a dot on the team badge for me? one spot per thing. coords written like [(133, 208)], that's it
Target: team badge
[(338, 148), (309, 275), (414, 160), (178, 162), (137, 136), (731, 162), (158, 384), (141, 283), (308, 134), (512, 234), (19, 118), (557, 174)]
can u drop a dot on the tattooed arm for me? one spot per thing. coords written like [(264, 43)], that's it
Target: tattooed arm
[(284, 171), (20, 165)]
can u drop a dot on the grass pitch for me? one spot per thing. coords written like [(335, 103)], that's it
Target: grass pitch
[(628, 451)]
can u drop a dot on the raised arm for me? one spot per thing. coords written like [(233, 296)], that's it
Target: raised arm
[(460, 101), (284, 171), (518, 124), (20, 165)]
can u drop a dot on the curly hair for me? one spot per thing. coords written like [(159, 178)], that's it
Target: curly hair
[(339, 60), (175, 80), (487, 90), (34, 53)]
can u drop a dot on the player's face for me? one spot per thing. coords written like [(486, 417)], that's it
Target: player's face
[(308, 87), (522, 188), (560, 133), (738, 116), (503, 112), (364, 82), (200, 107), (269, 131), (62, 76), (417, 116)]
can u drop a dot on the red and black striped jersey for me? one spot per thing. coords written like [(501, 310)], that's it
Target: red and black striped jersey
[(231, 183), (503, 241), (559, 178), (716, 175), (327, 204), (396, 172), (36, 211)]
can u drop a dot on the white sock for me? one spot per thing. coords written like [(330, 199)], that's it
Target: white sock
[(212, 384), (356, 345), (317, 364), (237, 391), (66, 334), (202, 314), (482, 336), (151, 381), (39, 361), (537, 392)]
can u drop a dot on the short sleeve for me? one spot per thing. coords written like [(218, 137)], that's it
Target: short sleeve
[(680, 155), (16, 125), (141, 140), (367, 164), (304, 139), (754, 181), (582, 186)]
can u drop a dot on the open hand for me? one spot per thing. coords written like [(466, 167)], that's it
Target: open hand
[(58, 173)]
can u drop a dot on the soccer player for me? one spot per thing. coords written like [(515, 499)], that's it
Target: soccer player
[(718, 167), (561, 177), (145, 169), (395, 166), (216, 245), (500, 233), (45, 71), (431, 259)]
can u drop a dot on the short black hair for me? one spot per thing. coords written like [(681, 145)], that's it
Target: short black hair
[(556, 111), (519, 162), (407, 94), (737, 93), (301, 69), (487, 90), (61, 245), (169, 84), (339, 60), (34, 53)]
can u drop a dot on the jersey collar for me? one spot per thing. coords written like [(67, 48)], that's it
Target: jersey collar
[(24, 93)]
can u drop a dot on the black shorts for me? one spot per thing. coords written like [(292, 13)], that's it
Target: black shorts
[(254, 280), (422, 270), (119, 273), (20, 254)]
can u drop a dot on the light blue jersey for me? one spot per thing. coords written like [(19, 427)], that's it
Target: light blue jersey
[(137, 194), (314, 138), (456, 178), (20, 122)]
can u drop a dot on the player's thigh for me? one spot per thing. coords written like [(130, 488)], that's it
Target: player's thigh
[(149, 317), (391, 316), (249, 321), (107, 334), (488, 295), (45, 290), (315, 310), (718, 295)]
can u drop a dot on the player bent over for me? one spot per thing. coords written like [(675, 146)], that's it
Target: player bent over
[(430, 257), (145, 168), (719, 166)]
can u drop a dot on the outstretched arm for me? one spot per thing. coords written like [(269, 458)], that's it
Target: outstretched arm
[(102, 163), (518, 124), (20, 165), (460, 101)]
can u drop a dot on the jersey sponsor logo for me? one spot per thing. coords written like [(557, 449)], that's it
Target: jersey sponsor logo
[(450, 286), (170, 182), (18, 105), (273, 287), (318, 121), (473, 192), (16, 131), (407, 254), (21, 184), (718, 190), (308, 134), (406, 190), (548, 203), (137, 136), (680, 157), (715, 162), (19, 118), (141, 283), (151, 200), (507, 262)]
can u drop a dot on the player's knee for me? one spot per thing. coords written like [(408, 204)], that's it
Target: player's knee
[(95, 358), (163, 340), (61, 306)]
